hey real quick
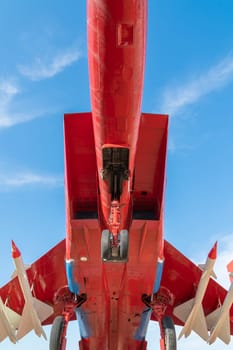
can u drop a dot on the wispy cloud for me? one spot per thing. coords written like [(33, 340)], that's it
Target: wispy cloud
[(7, 89), (8, 119), (175, 99), (27, 178), (224, 257), (44, 68), (9, 93)]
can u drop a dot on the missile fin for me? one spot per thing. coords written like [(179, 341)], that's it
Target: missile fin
[(3, 332), (9, 321), (15, 274), (195, 322), (213, 274), (222, 331), (199, 324), (202, 266), (43, 310), (182, 311), (213, 317), (12, 316), (26, 322)]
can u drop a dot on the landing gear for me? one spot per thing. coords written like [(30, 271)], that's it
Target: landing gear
[(168, 334), (124, 244), (113, 249), (105, 245), (71, 302), (114, 243), (57, 338), (159, 303)]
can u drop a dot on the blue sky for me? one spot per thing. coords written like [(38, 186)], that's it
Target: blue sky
[(189, 74)]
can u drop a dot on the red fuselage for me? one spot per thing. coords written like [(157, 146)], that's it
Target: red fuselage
[(115, 168), (116, 56)]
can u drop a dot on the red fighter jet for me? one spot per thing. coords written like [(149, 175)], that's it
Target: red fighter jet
[(114, 271)]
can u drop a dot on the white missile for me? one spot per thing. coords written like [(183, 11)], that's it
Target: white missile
[(191, 312), (9, 322), (219, 321), (35, 311)]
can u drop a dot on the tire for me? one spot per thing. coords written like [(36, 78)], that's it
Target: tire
[(55, 342), (124, 244), (169, 333), (105, 245)]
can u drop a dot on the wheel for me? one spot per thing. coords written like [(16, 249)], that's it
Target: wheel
[(169, 333), (105, 245), (124, 244), (55, 342)]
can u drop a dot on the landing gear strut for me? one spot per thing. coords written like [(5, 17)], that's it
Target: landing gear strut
[(60, 323), (168, 334), (114, 243), (158, 303)]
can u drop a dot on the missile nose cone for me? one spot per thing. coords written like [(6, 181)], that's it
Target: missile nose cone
[(213, 252), (230, 267), (14, 250)]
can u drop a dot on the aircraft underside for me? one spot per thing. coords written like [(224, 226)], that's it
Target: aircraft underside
[(114, 272)]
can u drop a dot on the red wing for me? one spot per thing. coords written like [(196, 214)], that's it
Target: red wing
[(46, 276), (80, 164), (150, 166), (181, 277)]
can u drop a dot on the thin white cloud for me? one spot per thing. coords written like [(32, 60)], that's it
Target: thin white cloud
[(225, 255), (8, 119), (177, 98), (47, 68), (9, 92), (24, 179), (8, 88)]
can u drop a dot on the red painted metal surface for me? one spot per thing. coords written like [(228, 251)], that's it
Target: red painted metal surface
[(117, 295), (114, 306), (116, 56), (47, 276)]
